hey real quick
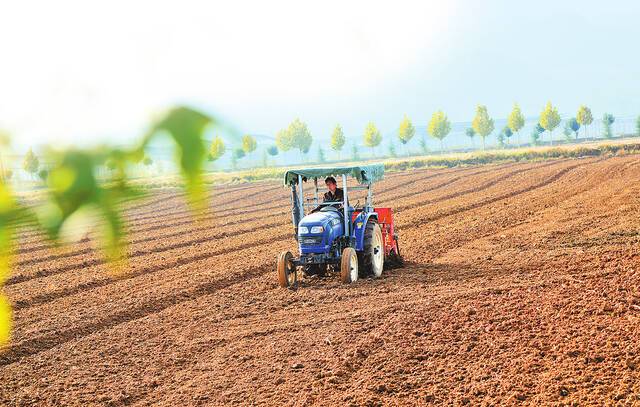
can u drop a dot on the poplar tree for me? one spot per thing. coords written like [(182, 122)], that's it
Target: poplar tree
[(482, 123), (372, 137), (439, 127), (516, 121), (549, 119), (406, 131), (584, 118)]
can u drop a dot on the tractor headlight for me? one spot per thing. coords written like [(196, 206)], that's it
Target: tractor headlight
[(317, 229), (303, 230)]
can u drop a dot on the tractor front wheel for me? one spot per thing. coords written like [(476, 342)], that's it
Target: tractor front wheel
[(349, 266), (287, 276)]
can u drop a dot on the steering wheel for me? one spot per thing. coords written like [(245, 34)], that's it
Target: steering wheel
[(329, 209)]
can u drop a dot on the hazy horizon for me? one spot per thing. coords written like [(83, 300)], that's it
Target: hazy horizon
[(80, 73)]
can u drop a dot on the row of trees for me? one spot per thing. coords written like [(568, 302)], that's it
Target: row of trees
[(248, 145), (298, 136), (31, 165)]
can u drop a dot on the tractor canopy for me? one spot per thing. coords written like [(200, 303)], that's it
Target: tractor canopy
[(365, 174)]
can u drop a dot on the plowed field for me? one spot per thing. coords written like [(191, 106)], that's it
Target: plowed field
[(521, 286)]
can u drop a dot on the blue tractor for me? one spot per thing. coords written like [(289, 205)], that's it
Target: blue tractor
[(355, 241)]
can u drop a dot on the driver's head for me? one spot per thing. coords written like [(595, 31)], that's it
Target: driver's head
[(331, 184)]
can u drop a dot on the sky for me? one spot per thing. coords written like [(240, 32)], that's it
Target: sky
[(88, 72)]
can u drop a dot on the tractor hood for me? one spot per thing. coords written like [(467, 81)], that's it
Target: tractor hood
[(319, 218)]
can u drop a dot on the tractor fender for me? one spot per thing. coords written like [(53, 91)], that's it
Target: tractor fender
[(359, 225)]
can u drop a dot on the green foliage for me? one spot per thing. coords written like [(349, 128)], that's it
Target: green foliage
[(249, 144), (355, 154), (571, 126), (470, 132), (535, 135), (321, 157), (507, 132), (147, 161), (238, 153), (372, 137), (550, 119), (423, 146), (607, 121), (516, 119), (501, 138), (406, 131), (186, 127), (567, 131), (272, 150), (43, 174), (5, 138), (283, 140), (31, 163), (584, 117), (9, 212), (392, 149), (111, 165), (299, 136), (638, 126), (75, 195), (216, 149), (337, 139), (482, 123), (439, 126)]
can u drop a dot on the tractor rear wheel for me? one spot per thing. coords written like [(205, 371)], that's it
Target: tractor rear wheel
[(287, 276), (349, 266), (372, 259)]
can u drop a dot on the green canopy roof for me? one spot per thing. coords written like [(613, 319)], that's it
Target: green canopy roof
[(363, 173)]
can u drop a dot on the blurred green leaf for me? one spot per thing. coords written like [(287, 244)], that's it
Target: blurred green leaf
[(76, 197), (186, 127), (8, 214), (74, 187), (5, 319)]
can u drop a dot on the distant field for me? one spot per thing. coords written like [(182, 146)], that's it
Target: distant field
[(614, 147)]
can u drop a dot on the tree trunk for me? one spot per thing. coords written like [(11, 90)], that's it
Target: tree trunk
[(551, 138), (441, 147)]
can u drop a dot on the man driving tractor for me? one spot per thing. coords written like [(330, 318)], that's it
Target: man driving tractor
[(334, 194)]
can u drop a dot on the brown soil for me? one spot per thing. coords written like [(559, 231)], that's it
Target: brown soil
[(521, 286)]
